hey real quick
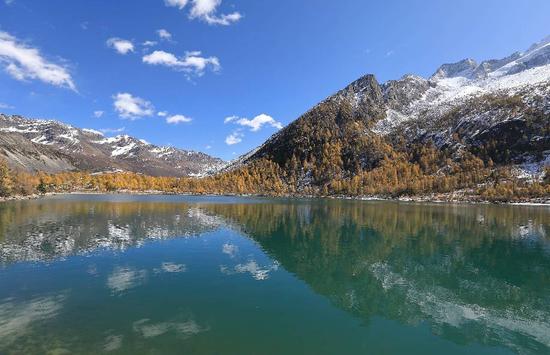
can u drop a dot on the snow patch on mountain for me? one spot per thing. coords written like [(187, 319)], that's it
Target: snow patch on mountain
[(92, 131), (123, 150)]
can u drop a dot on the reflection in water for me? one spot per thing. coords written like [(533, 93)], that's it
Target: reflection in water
[(148, 329), (16, 317), (113, 342), (125, 278), (258, 272), (473, 274), (34, 231), (171, 268), (230, 249)]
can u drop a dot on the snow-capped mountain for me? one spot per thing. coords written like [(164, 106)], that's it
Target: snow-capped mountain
[(52, 146), (498, 109)]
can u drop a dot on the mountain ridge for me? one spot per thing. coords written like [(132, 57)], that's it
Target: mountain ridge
[(497, 111), (53, 146)]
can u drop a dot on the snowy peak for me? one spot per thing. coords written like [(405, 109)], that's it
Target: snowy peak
[(536, 56), (464, 68)]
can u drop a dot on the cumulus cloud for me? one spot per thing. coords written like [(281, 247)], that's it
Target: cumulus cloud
[(132, 107), (98, 114), (162, 113), (234, 138), (206, 10), (23, 63), (191, 63), (256, 123), (176, 119), (122, 46), (164, 34)]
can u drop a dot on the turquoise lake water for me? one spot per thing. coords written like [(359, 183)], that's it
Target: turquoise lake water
[(88, 274)]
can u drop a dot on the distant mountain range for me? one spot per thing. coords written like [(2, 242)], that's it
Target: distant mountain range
[(497, 110), (52, 146)]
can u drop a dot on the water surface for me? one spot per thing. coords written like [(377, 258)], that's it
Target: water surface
[(213, 275)]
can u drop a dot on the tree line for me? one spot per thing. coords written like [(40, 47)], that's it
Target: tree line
[(393, 177)]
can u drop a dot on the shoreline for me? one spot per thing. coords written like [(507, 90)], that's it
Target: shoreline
[(438, 198)]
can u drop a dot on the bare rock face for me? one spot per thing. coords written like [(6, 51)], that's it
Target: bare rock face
[(52, 146)]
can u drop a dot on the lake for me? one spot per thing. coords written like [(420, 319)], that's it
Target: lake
[(225, 275)]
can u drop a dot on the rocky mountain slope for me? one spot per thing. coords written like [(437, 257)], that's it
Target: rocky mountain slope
[(496, 111), (52, 146)]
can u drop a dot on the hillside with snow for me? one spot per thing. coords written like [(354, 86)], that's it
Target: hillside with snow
[(52, 146), (497, 110)]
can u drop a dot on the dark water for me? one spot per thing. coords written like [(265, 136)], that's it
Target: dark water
[(157, 275)]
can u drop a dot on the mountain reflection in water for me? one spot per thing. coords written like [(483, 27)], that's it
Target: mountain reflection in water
[(474, 274)]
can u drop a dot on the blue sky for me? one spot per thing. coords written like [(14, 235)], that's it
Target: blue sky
[(226, 74)]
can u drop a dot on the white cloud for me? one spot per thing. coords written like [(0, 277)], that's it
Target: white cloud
[(175, 119), (164, 34), (5, 106), (208, 147), (132, 107), (149, 43), (224, 20), (98, 114), (23, 62), (113, 130), (256, 123), (206, 10), (9, 2), (234, 138), (230, 119), (192, 62), (162, 113), (122, 46), (180, 4)]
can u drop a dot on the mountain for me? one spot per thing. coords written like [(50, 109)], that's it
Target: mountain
[(52, 146), (495, 114)]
